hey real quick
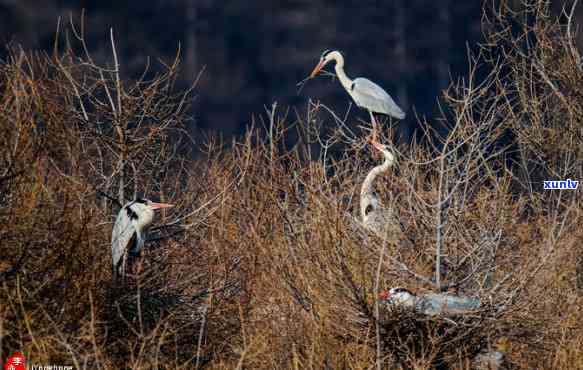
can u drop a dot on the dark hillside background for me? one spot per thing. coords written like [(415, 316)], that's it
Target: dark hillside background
[(254, 52)]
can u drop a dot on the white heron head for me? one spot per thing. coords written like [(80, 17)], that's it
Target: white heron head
[(141, 211), (383, 149), (327, 57), (398, 295)]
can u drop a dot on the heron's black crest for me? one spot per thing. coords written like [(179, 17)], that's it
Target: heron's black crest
[(324, 53), (401, 290), (131, 214), (368, 209), (140, 200)]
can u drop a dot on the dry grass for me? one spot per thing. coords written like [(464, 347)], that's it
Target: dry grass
[(263, 263)]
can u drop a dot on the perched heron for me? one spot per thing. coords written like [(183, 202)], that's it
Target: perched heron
[(129, 232), (365, 93), (374, 216), (430, 304)]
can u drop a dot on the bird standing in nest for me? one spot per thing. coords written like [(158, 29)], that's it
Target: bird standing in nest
[(375, 217)]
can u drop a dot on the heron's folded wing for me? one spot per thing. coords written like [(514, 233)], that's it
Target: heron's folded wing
[(371, 96), (446, 304), (121, 237)]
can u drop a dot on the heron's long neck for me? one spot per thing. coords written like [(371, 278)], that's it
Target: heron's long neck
[(366, 191), (344, 80), (373, 174), (410, 300)]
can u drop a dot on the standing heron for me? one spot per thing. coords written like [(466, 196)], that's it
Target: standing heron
[(376, 218), (365, 93), (129, 232)]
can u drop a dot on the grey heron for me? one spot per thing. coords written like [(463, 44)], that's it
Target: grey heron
[(365, 93), (129, 231), (374, 216), (430, 304), (443, 304)]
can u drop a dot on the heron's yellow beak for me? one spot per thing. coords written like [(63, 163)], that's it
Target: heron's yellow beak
[(160, 205), (374, 142), (373, 138), (319, 67), (377, 146)]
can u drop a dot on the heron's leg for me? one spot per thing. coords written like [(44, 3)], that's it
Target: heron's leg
[(122, 268), (374, 126)]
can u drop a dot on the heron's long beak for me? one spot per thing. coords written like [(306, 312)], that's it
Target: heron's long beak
[(384, 295), (375, 143), (160, 205), (377, 146), (319, 67)]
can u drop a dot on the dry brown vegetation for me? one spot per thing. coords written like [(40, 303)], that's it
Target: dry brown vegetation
[(262, 263)]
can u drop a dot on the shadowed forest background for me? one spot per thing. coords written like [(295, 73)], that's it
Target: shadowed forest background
[(253, 53)]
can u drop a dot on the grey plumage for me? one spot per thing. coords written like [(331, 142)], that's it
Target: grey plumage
[(445, 304), (375, 217), (431, 304), (365, 93), (129, 232), (368, 95)]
